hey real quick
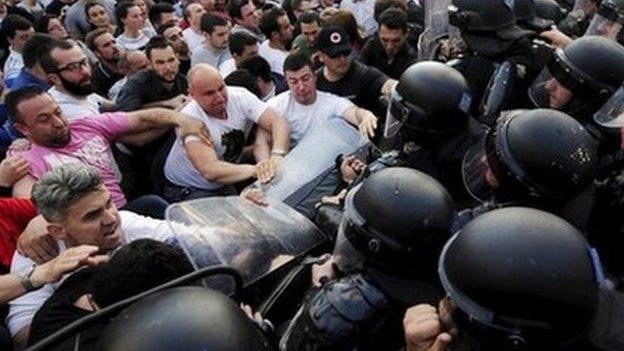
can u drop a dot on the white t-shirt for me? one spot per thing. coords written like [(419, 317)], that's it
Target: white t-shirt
[(300, 116), (228, 137), (12, 67), (134, 43), (227, 67), (192, 39), (275, 57), (23, 309), (76, 107)]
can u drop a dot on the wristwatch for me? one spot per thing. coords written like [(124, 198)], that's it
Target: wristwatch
[(25, 279)]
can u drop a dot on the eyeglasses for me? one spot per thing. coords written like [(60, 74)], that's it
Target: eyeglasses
[(74, 66)]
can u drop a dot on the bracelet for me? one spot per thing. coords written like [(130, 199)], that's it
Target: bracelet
[(278, 152), (26, 283)]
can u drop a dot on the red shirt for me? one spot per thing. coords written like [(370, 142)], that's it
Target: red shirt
[(14, 217)]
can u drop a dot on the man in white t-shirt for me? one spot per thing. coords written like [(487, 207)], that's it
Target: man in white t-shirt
[(303, 105), (193, 34), (195, 169), (79, 210), (276, 26), (17, 31)]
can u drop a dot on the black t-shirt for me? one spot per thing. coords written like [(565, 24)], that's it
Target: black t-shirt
[(362, 85), (59, 311), (373, 54), (145, 87), (104, 78)]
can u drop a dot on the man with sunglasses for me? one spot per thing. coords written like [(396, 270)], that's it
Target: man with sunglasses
[(343, 76), (69, 70)]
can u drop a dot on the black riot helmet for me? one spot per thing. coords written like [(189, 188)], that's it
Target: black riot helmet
[(395, 223), (526, 16), (550, 10), (187, 318), (520, 279), (581, 77), (540, 158), (429, 104), (488, 27)]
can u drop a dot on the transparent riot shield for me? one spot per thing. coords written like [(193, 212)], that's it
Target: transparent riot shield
[(586, 6), (232, 231), (436, 28), (316, 152), (611, 114)]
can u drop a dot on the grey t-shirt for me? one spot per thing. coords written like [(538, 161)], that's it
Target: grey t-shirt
[(207, 54)]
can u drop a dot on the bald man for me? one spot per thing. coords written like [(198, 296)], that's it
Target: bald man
[(195, 169)]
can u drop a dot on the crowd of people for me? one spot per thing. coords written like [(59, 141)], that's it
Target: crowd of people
[(481, 208)]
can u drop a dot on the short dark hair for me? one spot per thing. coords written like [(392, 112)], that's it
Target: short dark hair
[(296, 61), (121, 10), (15, 97), (308, 17), (242, 78), (394, 18), (268, 21), (136, 267), (239, 40), (234, 8), (34, 48), (92, 36), (12, 23), (383, 5), (162, 28), (157, 10), (210, 21), (257, 66), (46, 61), (157, 42)]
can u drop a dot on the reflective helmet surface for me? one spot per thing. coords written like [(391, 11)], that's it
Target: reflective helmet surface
[(187, 318), (398, 215), (523, 276), (431, 101), (542, 156), (591, 68)]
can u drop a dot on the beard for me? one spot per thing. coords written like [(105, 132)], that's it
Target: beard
[(78, 89)]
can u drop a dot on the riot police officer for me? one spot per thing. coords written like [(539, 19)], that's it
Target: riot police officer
[(579, 79), (541, 158), (576, 22), (393, 228), (187, 318), (429, 109), (518, 279), (488, 30), (608, 20)]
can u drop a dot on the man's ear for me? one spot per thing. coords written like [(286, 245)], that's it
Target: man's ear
[(54, 78), (22, 129), (57, 231)]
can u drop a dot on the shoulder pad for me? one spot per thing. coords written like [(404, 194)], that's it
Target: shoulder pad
[(342, 306)]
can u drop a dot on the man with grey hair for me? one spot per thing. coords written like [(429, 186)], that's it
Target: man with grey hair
[(79, 210)]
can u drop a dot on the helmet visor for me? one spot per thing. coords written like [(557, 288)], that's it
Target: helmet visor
[(611, 114), (475, 172), (346, 256), (399, 112), (547, 91)]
